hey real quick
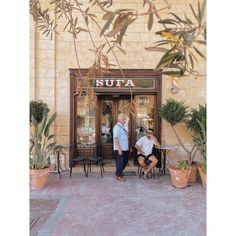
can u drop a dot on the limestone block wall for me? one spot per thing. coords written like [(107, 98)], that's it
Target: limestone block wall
[(50, 61)]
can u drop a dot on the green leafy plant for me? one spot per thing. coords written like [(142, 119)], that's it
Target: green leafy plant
[(197, 124), (181, 38), (182, 165), (196, 116), (204, 168), (200, 138), (37, 109), (41, 144), (174, 111)]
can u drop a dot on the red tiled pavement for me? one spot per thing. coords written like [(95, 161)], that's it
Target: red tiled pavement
[(105, 207)]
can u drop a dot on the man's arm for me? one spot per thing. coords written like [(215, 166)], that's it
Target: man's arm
[(117, 143), (156, 143), (139, 149)]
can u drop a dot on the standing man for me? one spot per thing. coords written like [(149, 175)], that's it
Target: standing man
[(144, 146), (120, 146)]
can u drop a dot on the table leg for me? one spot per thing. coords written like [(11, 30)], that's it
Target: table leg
[(58, 165), (163, 171)]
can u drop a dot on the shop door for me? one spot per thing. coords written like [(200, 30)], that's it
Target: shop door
[(109, 109)]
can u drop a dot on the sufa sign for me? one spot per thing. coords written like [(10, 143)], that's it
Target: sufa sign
[(114, 83)]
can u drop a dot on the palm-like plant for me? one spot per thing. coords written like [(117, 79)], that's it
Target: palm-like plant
[(200, 139), (197, 124), (175, 112), (41, 143)]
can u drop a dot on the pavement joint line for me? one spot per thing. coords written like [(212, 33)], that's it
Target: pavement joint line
[(52, 221)]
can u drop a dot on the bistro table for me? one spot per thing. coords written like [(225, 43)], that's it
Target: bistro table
[(59, 150), (164, 149)]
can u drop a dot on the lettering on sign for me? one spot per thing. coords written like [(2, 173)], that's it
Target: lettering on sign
[(114, 83)]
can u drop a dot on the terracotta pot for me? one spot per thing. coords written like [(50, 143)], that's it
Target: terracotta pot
[(39, 178), (203, 176), (179, 178), (193, 173)]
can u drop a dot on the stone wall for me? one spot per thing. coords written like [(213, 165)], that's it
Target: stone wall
[(50, 61)]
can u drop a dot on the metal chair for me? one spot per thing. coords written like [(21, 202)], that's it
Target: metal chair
[(154, 174), (79, 156), (96, 156)]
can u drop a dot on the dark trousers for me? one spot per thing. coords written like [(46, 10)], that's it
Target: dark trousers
[(121, 162)]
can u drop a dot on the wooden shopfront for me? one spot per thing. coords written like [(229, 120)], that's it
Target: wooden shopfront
[(94, 124)]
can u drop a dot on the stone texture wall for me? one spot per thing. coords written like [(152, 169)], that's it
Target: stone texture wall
[(50, 61)]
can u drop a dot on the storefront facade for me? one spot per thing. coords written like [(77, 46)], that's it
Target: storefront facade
[(93, 123), (52, 81)]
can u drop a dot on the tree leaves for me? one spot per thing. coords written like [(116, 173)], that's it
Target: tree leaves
[(122, 19)]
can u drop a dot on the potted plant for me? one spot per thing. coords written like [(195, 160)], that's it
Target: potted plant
[(41, 144), (200, 141), (180, 174), (197, 124), (175, 112)]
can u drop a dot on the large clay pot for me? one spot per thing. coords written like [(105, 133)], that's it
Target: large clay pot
[(39, 178), (179, 178), (193, 173), (203, 176)]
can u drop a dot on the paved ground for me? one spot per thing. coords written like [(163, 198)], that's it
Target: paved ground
[(105, 207)]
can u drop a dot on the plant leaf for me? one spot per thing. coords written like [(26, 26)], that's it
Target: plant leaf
[(178, 18), (122, 50), (200, 42), (150, 21), (109, 21), (52, 118), (170, 36), (203, 7), (157, 49), (191, 60), (199, 53), (194, 12)]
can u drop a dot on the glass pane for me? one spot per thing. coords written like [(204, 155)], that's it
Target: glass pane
[(145, 114), (107, 121), (124, 108), (86, 115)]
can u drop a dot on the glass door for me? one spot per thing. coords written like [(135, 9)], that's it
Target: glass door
[(110, 108)]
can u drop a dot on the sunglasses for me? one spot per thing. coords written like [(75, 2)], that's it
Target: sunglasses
[(149, 132)]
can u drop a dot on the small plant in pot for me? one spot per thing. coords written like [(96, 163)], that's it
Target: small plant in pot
[(200, 141), (180, 174), (175, 112), (41, 145)]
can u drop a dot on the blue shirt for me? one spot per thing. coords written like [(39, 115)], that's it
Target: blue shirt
[(122, 135)]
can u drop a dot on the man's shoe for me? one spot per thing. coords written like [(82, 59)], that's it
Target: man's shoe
[(145, 177), (121, 179)]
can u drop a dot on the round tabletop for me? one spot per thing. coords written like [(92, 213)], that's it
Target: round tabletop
[(168, 147)]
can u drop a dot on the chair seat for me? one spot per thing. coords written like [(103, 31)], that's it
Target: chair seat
[(95, 158), (78, 159)]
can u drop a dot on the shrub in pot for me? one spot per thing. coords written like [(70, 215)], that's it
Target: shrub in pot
[(200, 141), (175, 112), (41, 146), (196, 116), (180, 174)]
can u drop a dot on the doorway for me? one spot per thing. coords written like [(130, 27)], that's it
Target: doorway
[(109, 109)]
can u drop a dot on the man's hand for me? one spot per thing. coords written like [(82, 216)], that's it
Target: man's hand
[(120, 152), (157, 144)]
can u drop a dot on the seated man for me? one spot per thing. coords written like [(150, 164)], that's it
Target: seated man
[(145, 156)]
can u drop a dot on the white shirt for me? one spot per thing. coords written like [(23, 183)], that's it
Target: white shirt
[(122, 135), (146, 145)]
